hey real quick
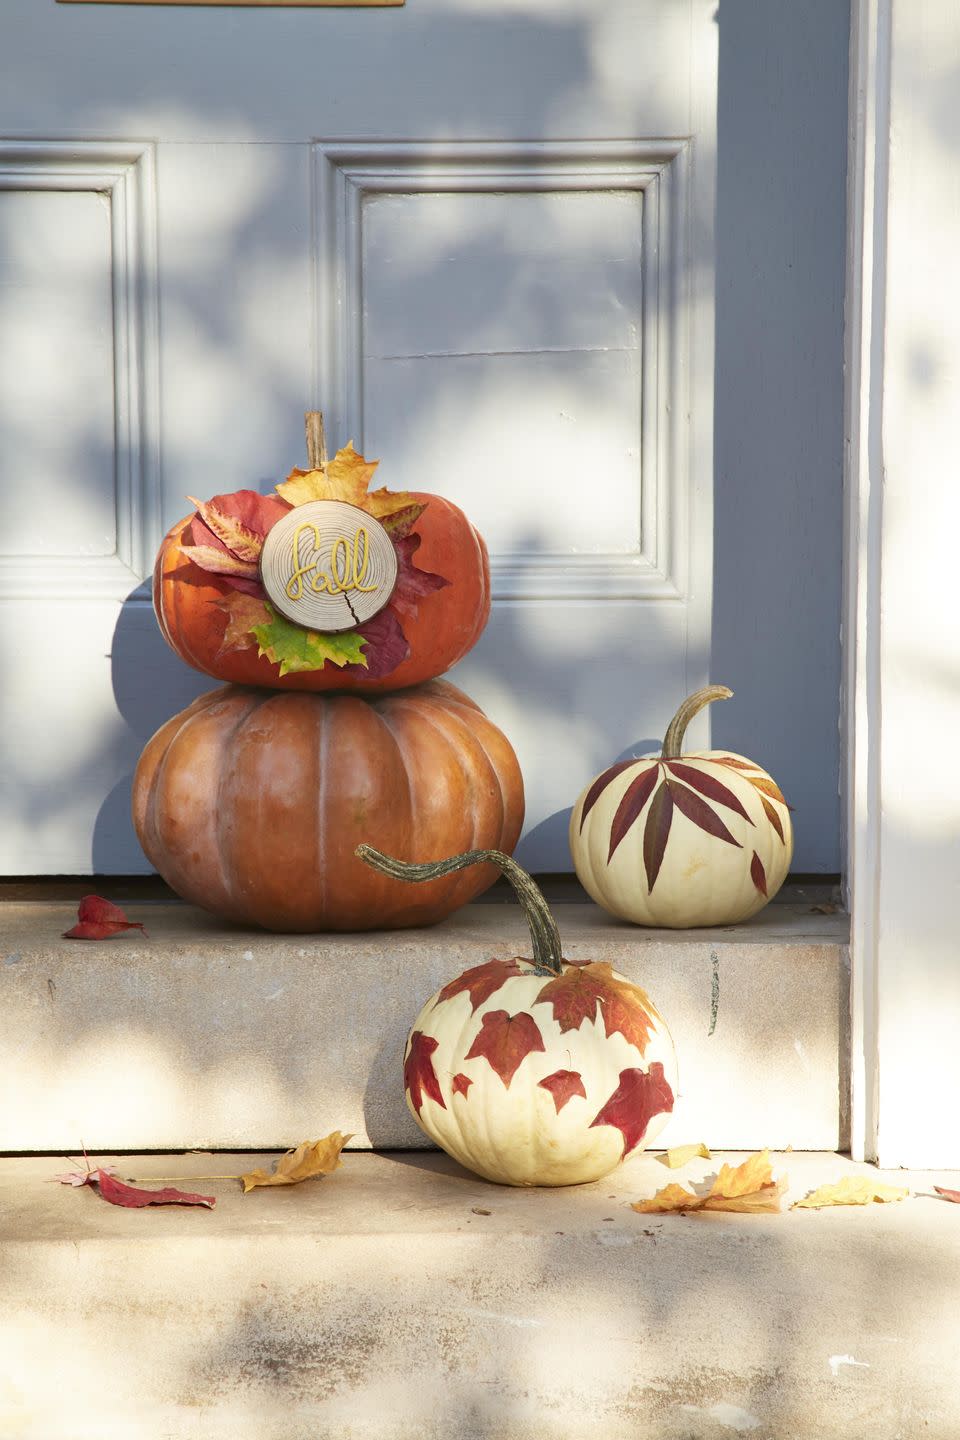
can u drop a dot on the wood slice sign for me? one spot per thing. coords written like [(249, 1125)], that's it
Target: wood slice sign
[(328, 565)]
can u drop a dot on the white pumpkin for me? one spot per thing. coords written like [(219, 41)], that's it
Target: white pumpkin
[(679, 840), (539, 1071)]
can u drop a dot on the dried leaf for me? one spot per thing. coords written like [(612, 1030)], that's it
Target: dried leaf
[(243, 542), (505, 1041), (243, 612), (461, 1084), (773, 817), (700, 813), (132, 1198), (386, 644), (600, 784), (745, 1189), (83, 1177), (681, 1155), (99, 919), (766, 786), (221, 562), (412, 584), (851, 1190), (635, 797), (247, 510), (419, 1076), (656, 833), (310, 1158), (480, 981), (757, 874), (707, 785), (952, 1195), (347, 477), (295, 649), (563, 1085), (640, 1095), (580, 990)]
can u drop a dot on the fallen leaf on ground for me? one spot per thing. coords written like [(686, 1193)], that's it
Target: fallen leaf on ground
[(312, 1157), (952, 1195), (851, 1190), (98, 919), (746, 1189), (117, 1192), (682, 1155)]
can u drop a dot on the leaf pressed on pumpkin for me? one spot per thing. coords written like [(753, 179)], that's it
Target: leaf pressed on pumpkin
[(461, 1083), (697, 810), (757, 874), (745, 1189), (98, 919), (242, 512), (386, 644), (635, 796), (243, 612), (563, 1085), (294, 649), (851, 1190), (412, 584), (579, 991), (600, 784), (766, 786), (681, 1155), (656, 833), (310, 1158), (773, 817), (639, 1096), (419, 1076), (480, 981), (707, 785), (505, 1041)]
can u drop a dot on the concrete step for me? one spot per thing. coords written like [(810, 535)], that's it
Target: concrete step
[(402, 1297), (205, 1036)]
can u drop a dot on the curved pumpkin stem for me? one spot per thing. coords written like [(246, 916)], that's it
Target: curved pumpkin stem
[(544, 935), (673, 740)]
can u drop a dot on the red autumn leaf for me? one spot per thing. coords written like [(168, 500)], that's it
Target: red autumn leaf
[(221, 562), (506, 1041), (732, 761), (461, 1083), (640, 1095), (576, 995), (99, 919), (952, 1195), (412, 584), (401, 522), (419, 1076), (83, 1177), (635, 796), (253, 512), (773, 817), (481, 981), (627, 1009), (563, 1085), (386, 646), (600, 784), (766, 786), (132, 1198), (243, 542), (656, 833), (757, 873), (700, 813), (707, 785)]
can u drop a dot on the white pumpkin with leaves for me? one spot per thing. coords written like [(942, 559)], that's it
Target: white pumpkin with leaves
[(539, 1070), (678, 840)]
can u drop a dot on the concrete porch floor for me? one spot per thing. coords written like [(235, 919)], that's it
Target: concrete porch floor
[(385, 1302)]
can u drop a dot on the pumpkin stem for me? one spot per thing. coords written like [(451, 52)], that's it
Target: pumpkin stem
[(316, 440), (673, 740), (545, 936)]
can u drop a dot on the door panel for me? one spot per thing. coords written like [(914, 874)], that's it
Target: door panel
[(521, 321)]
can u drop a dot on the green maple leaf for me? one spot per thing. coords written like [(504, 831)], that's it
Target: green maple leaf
[(294, 648)]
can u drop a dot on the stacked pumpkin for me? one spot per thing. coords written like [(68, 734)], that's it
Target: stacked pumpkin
[(330, 609)]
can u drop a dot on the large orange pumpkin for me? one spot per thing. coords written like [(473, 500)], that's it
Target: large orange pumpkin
[(251, 803), (446, 625)]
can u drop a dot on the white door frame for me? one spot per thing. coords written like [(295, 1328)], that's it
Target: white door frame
[(901, 697)]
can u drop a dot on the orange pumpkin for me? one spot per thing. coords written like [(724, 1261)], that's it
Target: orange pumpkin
[(447, 622), (251, 803)]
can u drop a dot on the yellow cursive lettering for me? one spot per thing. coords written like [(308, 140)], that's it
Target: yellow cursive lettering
[(349, 565)]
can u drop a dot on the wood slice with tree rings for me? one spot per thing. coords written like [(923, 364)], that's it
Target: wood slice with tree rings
[(328, 565)]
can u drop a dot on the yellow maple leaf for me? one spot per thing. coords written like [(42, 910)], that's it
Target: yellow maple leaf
[(682, 1155), (347, 477), (851, 1190), (310, 1158), (747, 1189)]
